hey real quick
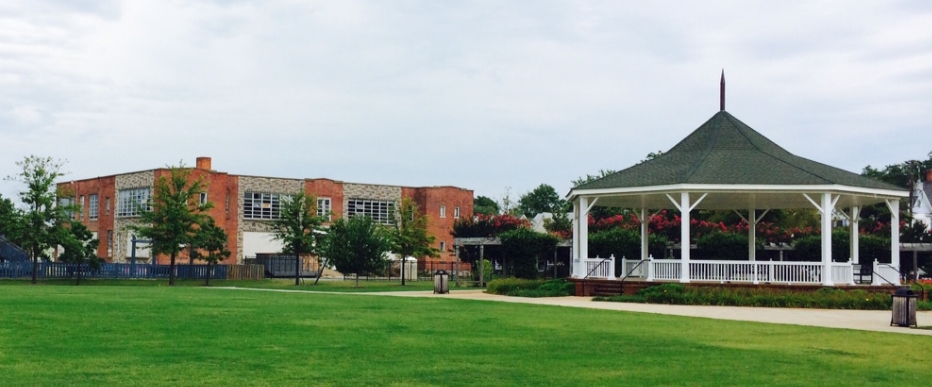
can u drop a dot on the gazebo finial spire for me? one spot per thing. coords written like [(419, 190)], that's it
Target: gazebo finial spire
[(722, 93)]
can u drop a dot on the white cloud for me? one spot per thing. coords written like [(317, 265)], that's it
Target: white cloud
[(481, 95)]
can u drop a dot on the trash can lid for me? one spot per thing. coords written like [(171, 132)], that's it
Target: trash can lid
[(904, 291), (440, 272)]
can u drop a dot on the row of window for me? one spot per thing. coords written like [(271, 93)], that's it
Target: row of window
[(256, 205), (443, 212), (267, 206), (93, 206)]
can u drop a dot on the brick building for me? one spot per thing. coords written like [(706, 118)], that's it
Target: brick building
[(245, 206)]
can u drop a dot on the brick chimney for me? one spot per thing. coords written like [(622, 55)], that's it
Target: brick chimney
[(203, 163)]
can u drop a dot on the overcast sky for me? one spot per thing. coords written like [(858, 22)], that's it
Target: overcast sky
[(482, 94)]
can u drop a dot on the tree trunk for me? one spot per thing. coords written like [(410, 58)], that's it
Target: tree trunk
[(297, 264), (210, 270), (78, 283), (320, 271), (171, 270), (35, 265), (403, 259)]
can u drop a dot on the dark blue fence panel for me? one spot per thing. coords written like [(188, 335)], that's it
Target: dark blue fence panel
[(58, 270)]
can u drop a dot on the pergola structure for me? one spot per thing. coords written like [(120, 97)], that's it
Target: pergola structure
[(726, 165)]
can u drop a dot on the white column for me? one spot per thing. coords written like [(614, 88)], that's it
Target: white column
[(574, 261), (894, 235), (752, 235), (827, 239), (684, 236), (855, 245), (583, 234), (644, 235)]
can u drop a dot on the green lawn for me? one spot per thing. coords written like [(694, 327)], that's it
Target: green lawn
[(324, 285), (150, 335)]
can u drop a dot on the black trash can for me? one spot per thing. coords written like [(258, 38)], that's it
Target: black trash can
[(442, 282), (904, 308)]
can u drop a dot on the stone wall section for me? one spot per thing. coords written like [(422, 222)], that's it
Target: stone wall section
[(121, 232), (264, 185), (370, 191)]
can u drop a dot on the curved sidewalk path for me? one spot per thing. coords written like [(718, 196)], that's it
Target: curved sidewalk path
[(867, 320)]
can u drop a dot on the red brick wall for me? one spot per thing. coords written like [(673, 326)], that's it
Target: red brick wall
[(104, 188), (326, 188), (429, 200)]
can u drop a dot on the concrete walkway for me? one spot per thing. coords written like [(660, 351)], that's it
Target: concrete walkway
[(867, 320)]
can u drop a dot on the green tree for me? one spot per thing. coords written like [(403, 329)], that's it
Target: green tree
[(175, 216), (210, 242), (650, 156), (544, 198), (523, 248), (80, 248), (9, 218), (560, 225), (485, 206), (40, 223), (300, 229), (590, 178), (409, 236), (357, 245)]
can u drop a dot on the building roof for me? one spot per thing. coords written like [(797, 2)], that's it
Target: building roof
[(728, 165), (726, 151)]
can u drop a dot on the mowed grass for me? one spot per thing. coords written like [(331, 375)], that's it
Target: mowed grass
[(324, 285), (159, 336)]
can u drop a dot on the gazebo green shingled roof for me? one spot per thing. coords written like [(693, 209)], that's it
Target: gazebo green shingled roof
[(725, 151)]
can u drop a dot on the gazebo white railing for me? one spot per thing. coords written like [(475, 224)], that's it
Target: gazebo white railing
[(755, 272), (600, 267)]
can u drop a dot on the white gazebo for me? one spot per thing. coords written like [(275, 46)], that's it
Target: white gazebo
[(726, 165)]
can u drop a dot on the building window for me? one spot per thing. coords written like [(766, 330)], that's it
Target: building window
[(107, 206), (92, 208), (443, 247), (323, 208), (109, 243), (456, 212), (227, 206), (81, 208), (133, 201), (67, 202), (443, 211), (203, 198), (381, 211), (258, 205)]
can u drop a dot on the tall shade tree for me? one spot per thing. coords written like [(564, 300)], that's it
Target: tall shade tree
[(175, 215), (210, 245), (41, 220), (80, 249), (544, 198), (485, 206), (300, 229), (409, 236), (8, 217), (357, 245)]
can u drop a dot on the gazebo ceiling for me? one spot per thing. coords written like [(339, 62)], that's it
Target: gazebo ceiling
[(726, 200), (738, 168)]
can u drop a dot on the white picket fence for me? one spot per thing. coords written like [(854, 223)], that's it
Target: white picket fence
[(737, 271)]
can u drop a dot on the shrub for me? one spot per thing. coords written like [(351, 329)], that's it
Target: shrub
[(826, 298), (722, 245), (522, 247), (870, 247), (518, 287)]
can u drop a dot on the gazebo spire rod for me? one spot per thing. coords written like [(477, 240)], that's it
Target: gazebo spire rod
[(722, 93)]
